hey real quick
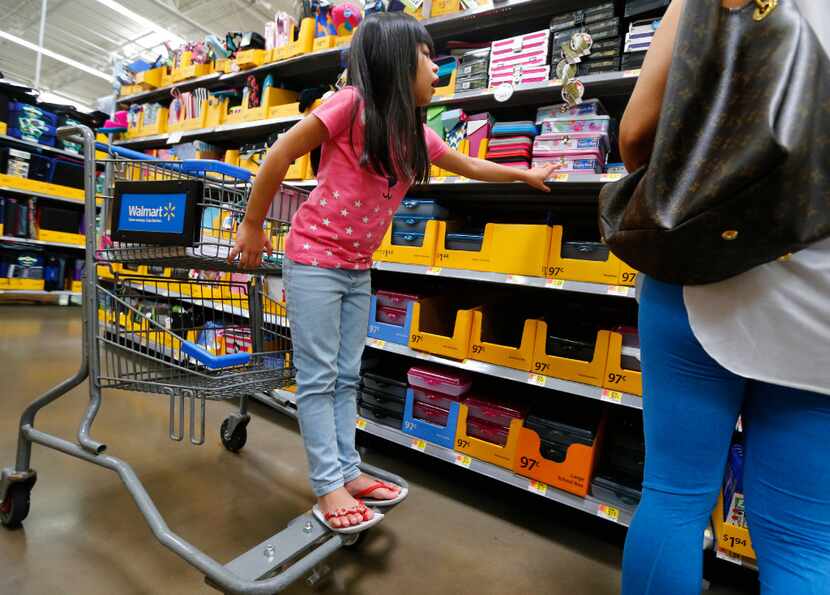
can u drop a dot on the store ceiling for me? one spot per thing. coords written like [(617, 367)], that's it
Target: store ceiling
[(93, 33)]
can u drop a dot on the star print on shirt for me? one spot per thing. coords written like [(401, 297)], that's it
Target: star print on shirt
[(377, 209), (326, 221), (313, 228), (356, 244), (337, 265), (306, 246), (314, 262), (335, 195), (323, 202), (329, 253), (344, 212), (358, 204), (349, 231), (365, 221)]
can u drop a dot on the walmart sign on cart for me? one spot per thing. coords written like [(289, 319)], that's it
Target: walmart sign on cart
[(160, 213)]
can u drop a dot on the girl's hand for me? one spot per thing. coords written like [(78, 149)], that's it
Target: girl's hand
[(251, 239), (536, 177)]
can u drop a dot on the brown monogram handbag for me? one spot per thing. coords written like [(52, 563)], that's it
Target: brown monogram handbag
[(740, 172)]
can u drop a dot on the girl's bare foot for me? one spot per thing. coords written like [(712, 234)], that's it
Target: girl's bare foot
[(385, 492), (349, 511)]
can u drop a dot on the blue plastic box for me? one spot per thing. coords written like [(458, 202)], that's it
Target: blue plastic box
[(442, 436)]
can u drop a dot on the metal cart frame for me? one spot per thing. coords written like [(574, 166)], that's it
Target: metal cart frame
[(294, 552)]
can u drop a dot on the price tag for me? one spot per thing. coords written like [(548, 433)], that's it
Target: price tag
[(536, 379), (463, 461), (630, 73), (555, 82), (377, 343), (609, 512), (516, 279), (618, 290), (729, 557), (555, 283), (610, 177), (538, 487), (611, 396), (174, 138), (418, 444), (560, 177), (504, 92), (439, 180), (434, 271), (361, 423)]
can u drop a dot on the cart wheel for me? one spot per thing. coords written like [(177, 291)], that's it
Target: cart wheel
[(235, 441), (356, 540), (15, 508)]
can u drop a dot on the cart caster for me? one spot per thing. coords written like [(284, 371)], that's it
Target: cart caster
[(233, 435), (15, 507), (355, 541)]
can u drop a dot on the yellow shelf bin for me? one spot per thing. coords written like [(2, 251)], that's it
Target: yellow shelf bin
[(503, 456), (215, 111), (4, 128), (272, 99), (25, 184), (76, 286), (445, 7), (150, 79), (616, 377), (188, 70), (628, 276), (25, 284), (303, 42), (513, 249), (300, 169), (247, 59), (433, 316), (575, 269), (159, 127), (484, 350), (423, 255), (592, 372), (48, 235)]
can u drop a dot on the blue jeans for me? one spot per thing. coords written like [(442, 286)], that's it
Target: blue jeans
[(328, 311), (690, 408)]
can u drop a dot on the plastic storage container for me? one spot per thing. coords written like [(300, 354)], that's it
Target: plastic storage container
[(430, 413), (385, 385), (500, 414), (585, 251), (615, 490), (379, 400), (379, 415), (410, 223), (488, 432), (568, 142), (448, 382), (394, 316), (577, 124), (582, 16), (589, 107), (434, 399), (464, 241), (408, 239), (573, 162), (422, 207), (393, 299), (472, 82)]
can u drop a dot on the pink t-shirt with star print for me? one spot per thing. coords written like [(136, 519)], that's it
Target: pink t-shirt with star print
[(346, 216)]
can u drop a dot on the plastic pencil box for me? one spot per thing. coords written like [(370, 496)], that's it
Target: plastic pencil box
[(573, 163), (510, 142), (410, 223), (381, 400), (470, 242), (581, 17), (396, 316), (435, 399), (519, 75), (596, 66), (422, 207), (500, 156), (546, 144), (448, 382), (471, 83), (380, 383), (430, 413), (505, 49), (598, 31), (499, 414), (394, 299), (487, 432), (577, 124), (475, 62), (379, 415), (519, 128), (589, 107), (616, 490)]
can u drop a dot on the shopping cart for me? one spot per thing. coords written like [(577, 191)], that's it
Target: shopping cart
[(169, 316)]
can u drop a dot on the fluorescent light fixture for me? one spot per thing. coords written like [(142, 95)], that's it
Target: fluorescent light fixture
[(137, 18), (55, 56)]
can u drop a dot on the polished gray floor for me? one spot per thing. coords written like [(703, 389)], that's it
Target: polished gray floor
[(457, 533)]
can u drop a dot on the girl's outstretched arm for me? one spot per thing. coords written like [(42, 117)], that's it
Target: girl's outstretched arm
[(487, 171), (251, 239)]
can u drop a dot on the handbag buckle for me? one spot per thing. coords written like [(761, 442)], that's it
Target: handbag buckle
[(763, 8)]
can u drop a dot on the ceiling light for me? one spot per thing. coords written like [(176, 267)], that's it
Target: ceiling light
[(55, 56), (137, 18)]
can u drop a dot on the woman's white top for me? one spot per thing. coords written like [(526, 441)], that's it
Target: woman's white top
[(772, 323)]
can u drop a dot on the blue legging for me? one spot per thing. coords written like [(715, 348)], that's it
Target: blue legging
[(691, 405)]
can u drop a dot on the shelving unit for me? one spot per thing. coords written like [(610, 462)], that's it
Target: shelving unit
[(33, 145), (12, 240)]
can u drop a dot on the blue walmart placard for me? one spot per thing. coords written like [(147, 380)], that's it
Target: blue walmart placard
[(160, 213)]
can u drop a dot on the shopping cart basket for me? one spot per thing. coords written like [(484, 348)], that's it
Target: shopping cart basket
[(169, 316)]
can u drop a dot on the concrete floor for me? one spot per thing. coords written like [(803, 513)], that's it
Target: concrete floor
[(457, 533)]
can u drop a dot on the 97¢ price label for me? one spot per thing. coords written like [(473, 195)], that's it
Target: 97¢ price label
[(609, 512)]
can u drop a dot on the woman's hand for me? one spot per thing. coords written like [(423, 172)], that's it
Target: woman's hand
[(536, 176), (251, 240)]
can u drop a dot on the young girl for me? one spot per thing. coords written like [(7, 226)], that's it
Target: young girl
[(374, 147)]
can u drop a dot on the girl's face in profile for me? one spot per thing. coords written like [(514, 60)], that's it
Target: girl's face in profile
[(425, 77)]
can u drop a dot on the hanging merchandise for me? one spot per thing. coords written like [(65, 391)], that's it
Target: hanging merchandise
[(323, 24), (346, 17)]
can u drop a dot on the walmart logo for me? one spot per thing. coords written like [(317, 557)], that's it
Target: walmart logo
[(162, 213), (167, 211)]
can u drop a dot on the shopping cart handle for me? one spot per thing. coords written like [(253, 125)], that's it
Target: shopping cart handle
[(186, 166), (214, 362)]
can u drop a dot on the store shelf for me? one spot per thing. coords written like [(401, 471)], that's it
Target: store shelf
[(565, 386), (617, 514), (164, 92), (34, 145), (27, 241), (225, 133), (39, 292), (501, 278), (17, 185), (597, 85)]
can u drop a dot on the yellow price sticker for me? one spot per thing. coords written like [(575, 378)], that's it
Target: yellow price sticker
[(630, 73), (538, 487), (609, 512), (418, 444), (555, 82), (610, 177), (536, 379), (463, 461), (560, 177), (723, 554), (618, 290), (516, 279), (611, 396), (377, 343), (361, 423), (554, 283), (439, 180), (434, 271)]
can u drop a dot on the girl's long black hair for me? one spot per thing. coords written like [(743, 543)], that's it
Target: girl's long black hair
[(383, 62)]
